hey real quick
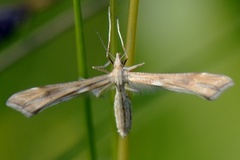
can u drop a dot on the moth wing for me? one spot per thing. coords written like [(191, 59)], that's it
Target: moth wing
[(34, 100), (206, 85)]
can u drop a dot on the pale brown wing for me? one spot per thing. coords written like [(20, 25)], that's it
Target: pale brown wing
[(34, 100), (206, 85)]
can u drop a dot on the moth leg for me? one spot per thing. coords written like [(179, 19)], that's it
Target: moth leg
[(102, 68), (120, 36), (99, 91), (129, 88), (108, 54), (133, 67)]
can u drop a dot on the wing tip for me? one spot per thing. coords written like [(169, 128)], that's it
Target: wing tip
[(19, 108), (222, 89)]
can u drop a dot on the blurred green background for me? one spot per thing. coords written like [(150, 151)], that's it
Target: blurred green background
[(172, 36)]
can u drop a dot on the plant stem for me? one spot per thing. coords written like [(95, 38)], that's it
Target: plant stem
[(113, 49), (82, 72), (132, 30), (123, 149)]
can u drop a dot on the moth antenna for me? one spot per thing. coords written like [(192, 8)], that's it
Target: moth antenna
[(99, 36), (108, 54)]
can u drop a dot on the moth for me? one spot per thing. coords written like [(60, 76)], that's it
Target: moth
[(33, 100)]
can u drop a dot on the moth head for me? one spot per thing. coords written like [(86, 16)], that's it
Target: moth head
[(119, 61)]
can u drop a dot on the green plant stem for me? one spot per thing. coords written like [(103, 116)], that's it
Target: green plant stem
[(113, 49), (123, 149), (82, 72), (113, 43), (132, 30)]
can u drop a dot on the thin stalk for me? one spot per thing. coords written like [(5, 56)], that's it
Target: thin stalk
[(113, 45), (123, 149), (132, 30), (82, 72), (113, 50)]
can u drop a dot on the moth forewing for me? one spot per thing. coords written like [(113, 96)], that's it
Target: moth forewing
[(34, 100), (206, 85)]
